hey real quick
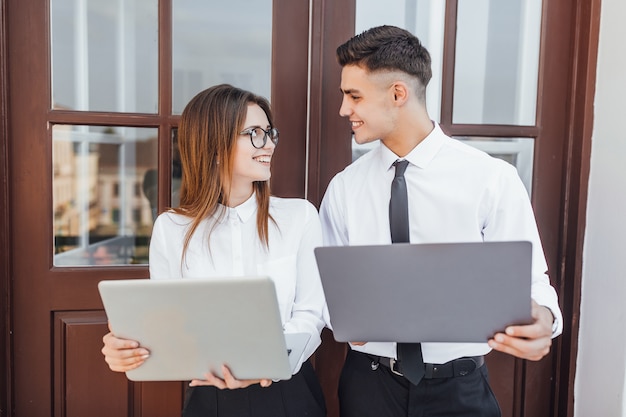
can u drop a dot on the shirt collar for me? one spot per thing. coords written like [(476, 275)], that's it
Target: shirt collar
[(243, 211), (422, 154), (246, 209)]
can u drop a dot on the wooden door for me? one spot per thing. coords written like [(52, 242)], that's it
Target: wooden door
[(52, 322), (96, 89)]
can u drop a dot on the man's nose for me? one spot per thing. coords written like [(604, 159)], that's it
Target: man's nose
[(344, 110)]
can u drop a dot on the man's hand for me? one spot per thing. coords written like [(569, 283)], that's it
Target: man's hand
[(530, 341)]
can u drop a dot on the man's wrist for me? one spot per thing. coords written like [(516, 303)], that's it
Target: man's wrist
[(555, 323)]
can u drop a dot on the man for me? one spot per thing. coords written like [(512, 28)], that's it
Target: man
[(455, 194)]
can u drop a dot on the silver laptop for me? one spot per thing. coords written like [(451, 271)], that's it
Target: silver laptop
[(459, 292), (193, 326)]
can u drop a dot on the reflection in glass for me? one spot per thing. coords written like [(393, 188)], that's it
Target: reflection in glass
[(217, 42), (423, 18), (105, 55), (497, 61), (519, 152), (104, 194)]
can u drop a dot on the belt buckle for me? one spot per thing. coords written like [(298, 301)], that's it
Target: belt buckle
[(392, 366)]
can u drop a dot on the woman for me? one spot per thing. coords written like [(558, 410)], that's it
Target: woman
[(228, 225)]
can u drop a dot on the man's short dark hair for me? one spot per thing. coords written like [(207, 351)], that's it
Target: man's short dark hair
[(387, 48)]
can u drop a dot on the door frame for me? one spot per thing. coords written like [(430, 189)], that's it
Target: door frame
[(5, 230), (584, 33), (332, 22)]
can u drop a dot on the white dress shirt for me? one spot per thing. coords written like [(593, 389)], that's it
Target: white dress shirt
[(233, 248), (456, 193)]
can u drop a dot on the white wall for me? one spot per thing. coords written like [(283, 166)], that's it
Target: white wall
[(600, 385)]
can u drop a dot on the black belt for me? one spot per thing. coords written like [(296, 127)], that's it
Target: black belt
[(457, 367)]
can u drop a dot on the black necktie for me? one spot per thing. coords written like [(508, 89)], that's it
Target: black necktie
[(409, 354)]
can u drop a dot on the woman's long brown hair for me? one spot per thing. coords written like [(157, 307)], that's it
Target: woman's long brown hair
[(208, 129)]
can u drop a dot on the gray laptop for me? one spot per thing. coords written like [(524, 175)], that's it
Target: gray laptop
[(193, 326), (459, 292)]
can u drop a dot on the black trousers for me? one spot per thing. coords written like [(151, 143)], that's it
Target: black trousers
[(299, 396), (364, 392)]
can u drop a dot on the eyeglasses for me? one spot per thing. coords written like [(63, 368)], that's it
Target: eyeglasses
[(258, 136)]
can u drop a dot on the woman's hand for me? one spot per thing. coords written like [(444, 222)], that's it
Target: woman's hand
[(229, 381), (122, 354)]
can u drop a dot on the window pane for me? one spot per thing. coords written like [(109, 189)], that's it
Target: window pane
[(217, 42), (99, 218), (518, 152), (497, 61), (423, 18), (104, 55)]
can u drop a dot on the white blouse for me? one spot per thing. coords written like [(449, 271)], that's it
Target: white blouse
[(230, 246)]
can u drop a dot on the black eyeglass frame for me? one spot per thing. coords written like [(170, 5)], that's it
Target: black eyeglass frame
[(271, 133)]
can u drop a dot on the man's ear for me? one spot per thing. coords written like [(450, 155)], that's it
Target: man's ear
[(400, 92)]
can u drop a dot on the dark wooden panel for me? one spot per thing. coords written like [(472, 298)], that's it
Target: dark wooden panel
[(330, 134), (584, 36), (539, 388), (290, 34), (505, 380), (5, 244), (329, 148), (30, 168), (165, 106), (159, 399), (84, 384), (329, 360)]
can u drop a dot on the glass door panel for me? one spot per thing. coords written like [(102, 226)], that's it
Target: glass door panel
[(423, 18), (217, 42), (518, 152), (104, 55), (497, 62), (104, 194)]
